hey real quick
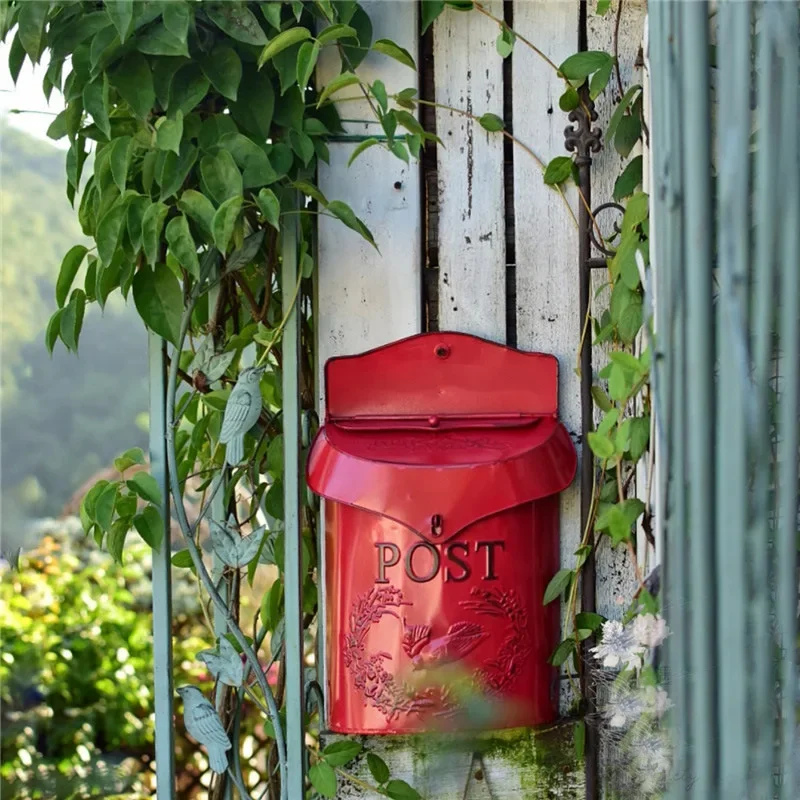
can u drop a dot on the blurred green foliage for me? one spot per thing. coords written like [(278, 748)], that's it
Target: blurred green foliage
[(63, 418), (76, 671)]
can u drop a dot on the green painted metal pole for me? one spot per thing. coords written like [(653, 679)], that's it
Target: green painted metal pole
[(293, 593), (767, 177), (695, 122), (162, 578), (733, 250), (789, 418)]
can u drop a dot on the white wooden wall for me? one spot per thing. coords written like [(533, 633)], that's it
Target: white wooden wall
[(366, 299)]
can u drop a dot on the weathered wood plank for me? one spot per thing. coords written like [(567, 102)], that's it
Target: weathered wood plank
[(468, 75), (616, 582), (545, 231)]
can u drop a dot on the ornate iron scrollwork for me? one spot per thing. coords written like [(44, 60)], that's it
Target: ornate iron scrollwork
[(581, 137), (591, 230)]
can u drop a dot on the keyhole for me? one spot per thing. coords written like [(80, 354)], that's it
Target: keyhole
[(436, 525)]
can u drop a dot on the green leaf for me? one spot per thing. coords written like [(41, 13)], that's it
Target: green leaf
[(393, 50), (400, 790), (628, 132), (53, 330), (169, 133), (377, 766), (306, 61), (270, 605), (159, 301), (224, 222), (601, 399), (323, 779), (134, 82), (343, 212), (152, 223), (360, 148), (337, 754), (95, 102), (181, 244), (188, 87), (245, 254), (630, 179), (223, 68), (505, 42), (338, 83), (630, 321), (491, 122), (272, 13), (640, 437), (558, 170), (183, 560), (72, 319), (198, 207), (30, 27), (627, 99), (104, 506), (176, 17), (158, 41), (270, 207), (174, 169), (109, 230), (636, 211), (280, 42), (146, 486), (130, 457), (610, 419), (580, 65), (335, 32), (150, 527), (602, 7), (569, 100), (599, 80), (601, 445), (311, 191), (221, 176), (564, 650), (579, 731), (590, 620), (119, 160), (429, 12), (255, 103), (121, 13), (557, 584), (69, 269), (237, 21)]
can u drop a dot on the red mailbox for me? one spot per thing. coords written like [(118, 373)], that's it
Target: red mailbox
[(441, 458)]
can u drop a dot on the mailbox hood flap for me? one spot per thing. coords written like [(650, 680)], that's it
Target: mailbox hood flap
[(438, 481)]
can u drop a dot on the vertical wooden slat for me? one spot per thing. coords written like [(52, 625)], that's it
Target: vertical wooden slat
[(767, 172), (162, 579), (546, 239), (733, 201), (695, 121), (469, 77), (616, 580), (789, 418)]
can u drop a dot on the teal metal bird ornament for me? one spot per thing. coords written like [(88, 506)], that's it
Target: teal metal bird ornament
[(241, 413), (203, 725)]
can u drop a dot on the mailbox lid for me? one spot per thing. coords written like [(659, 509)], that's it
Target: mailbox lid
[(457, 475)]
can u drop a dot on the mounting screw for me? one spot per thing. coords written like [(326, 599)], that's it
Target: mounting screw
[(442, 350), (398, 185)]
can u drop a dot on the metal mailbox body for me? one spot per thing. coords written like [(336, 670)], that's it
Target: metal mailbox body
[(441, 459)]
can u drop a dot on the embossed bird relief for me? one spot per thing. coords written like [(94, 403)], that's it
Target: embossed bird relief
[(459, 641)]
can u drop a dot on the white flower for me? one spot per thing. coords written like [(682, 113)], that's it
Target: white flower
[(619, 647), (650, 630), (657, 700), (623, 707)]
